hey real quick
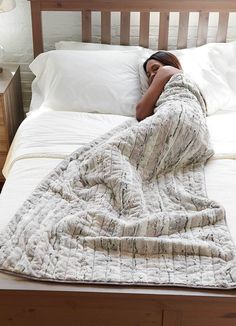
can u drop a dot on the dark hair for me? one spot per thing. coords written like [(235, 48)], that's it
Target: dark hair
[(164, 57)]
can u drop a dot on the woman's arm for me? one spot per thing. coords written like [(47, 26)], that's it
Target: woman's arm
[(146, 105)]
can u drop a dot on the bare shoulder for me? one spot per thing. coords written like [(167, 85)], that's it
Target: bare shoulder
[(168, 71)]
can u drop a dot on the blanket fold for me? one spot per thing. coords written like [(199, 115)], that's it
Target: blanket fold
[(130, 207)]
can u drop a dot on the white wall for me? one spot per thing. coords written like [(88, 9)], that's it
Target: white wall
[(16, 37)]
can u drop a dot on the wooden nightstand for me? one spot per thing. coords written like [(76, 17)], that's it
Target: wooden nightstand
[(11, 109)]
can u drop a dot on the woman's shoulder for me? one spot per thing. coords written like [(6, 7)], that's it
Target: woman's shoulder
[(168, 71)]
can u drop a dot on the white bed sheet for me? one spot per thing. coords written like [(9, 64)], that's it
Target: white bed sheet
[(46, 137), (55, 134)]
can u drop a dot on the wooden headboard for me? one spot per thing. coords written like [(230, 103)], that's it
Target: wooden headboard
[(144, 7)]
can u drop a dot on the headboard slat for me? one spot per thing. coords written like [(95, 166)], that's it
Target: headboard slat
[(222, 27), (202, 28), (183, 30), (106, 27), (86, 26), (124, 28), (37, 28), (163, 30), (144, 29)]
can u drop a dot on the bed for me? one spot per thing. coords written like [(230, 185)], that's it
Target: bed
[(33, 155)]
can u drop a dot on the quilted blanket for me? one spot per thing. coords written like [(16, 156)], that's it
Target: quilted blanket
[(129, 208)]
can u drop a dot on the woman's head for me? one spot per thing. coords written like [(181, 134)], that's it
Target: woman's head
[(157, 60)]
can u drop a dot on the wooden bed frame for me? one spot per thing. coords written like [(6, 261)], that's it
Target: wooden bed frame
[(24, 302)]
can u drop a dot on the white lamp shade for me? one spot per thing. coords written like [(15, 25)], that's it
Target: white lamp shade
[(7, 5)]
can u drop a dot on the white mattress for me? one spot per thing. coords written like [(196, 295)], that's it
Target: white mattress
[(46, 137)]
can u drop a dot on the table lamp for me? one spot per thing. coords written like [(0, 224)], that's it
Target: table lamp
[(5, 5)]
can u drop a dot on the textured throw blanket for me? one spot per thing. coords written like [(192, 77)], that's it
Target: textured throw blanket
[(129, 208)]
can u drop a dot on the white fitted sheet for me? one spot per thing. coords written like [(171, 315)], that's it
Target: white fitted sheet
[(55, 134), (46, 137)]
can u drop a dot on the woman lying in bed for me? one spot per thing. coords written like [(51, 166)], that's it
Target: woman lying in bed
[(159, 68)]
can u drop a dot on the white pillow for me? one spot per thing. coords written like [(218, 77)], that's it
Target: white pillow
[(73, 45), (212, 67), (87, 81)]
